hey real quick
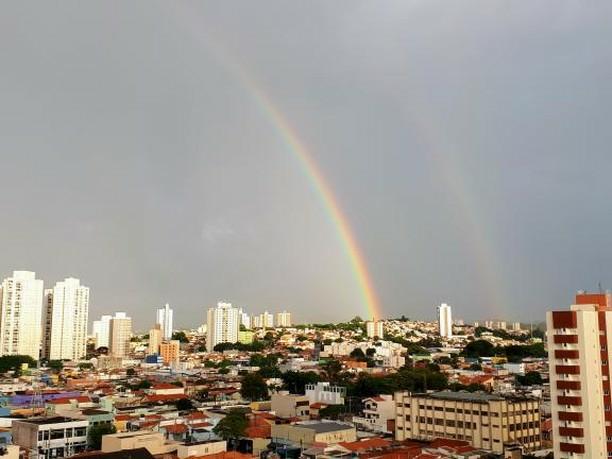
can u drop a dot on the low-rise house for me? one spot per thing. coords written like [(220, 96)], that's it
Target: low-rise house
[(324, 392), (312, 433), (56, 436), (154, 442), (288, 405), (377, 412)]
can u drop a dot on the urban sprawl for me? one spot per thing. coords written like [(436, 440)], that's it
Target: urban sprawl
[(247, 385)]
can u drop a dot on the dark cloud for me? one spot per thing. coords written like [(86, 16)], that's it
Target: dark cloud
[(466, 142)]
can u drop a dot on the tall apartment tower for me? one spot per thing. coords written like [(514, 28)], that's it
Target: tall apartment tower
[(222, 325), (245, 319), (65, 320), (155, 339), (21, 315), (164, 319), (579, 353), (266, 320), (283, 319), (120, 334), (374, 329), (101, 331), (445, 321)]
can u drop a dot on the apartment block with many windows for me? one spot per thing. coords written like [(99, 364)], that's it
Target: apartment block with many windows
[(487, 421), (578, 352)]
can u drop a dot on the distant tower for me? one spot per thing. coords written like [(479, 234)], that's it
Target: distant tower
[(120, 334), (223, 325), (374, 329), (445, 321), (164, 319)]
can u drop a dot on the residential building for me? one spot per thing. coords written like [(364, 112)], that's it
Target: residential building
[(154, 442), (246, 337), (21, 315), (579, 346), (324, 392), (287, 405), (101, 331), (378, 414), (245, 319), (169, 351), (51, 437), (283, 319), (120, 335), (164, 319), (65, 317), (487, 421), (309, 433), (155, 339), (256, 321), (266, 320), (374, 329), (223, 325), (445, 321)]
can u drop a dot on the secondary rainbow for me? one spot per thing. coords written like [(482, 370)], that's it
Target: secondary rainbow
[(329, 200), (203, 33)]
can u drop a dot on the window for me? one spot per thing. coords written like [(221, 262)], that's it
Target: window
[(57, 433)]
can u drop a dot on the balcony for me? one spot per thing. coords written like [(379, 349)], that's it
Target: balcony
[(572, 448), (568, 385), (567, 369), (571, 432), (566, 354), (565, 339), (565, 400)]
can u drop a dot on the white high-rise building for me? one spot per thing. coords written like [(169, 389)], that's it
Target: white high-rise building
[(256, 321), (266, 320), (283, 319), (120, 335), (164, 319), (374, 329), (21, 315), (222, 325), (101, 331), (445, 320), (245, 319), (65, 318)]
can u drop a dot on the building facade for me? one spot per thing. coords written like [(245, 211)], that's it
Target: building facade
[(101, 331), (377, 412), (579, 344), (164, 319), (65, 320), (485, 420), (155, 339), (169, 351), (283, 319), (374, 328), (222, 325), (21, 315), (51, 437), (120, 335), (445, 321)]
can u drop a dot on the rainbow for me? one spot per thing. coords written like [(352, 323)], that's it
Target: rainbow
[(310, 168)]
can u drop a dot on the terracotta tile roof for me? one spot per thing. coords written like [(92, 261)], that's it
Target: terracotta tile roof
[(164, 397), (175, 428), (364, 445), (68, 400)]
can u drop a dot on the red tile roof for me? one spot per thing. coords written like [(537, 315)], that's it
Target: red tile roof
[(364, 445)]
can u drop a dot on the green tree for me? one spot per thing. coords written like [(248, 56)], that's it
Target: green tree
[(332, 411), (254, 387), (95, 434), (232, 426), (184, 404), (358, 354), (55, 365), (295, 381), (479, 348), (180, 336), (332, 370), (531, 378), (14, 362)]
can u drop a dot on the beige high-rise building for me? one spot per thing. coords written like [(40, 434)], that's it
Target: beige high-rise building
[(101, 331), (169, 351), (65, 320), (283, 319), (487, 421), (579, 353), (21, 315), (155, 339), (120, 335), (374, 329)]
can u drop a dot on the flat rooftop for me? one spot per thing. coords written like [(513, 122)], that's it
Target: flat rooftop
[(475, 397), (322, 427), (51, 420)]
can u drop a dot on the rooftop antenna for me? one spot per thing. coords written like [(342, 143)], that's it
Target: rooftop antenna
[(599, 286)]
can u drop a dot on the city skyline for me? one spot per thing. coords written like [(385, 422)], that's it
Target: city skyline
[(356, 166)]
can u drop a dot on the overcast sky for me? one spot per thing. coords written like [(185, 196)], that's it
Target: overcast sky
[(468, 144)]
